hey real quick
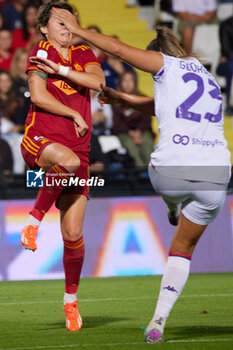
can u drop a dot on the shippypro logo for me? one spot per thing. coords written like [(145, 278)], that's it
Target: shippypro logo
[(177, 138), (35, 178)]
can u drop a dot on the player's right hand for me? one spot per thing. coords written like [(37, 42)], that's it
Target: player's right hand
[(108, 95), (45, 64), (80, 125)]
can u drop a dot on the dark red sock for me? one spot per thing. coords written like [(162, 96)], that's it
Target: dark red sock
[(73, 261), (185, 256), (49, 194)]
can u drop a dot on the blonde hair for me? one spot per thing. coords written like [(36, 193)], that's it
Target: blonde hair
[(167, 43), (14, 63)]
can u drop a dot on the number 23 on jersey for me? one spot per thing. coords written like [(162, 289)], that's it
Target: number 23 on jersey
[(183, 110)]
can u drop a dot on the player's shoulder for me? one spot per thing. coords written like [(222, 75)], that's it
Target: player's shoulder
[(82, 54), (44, 46)]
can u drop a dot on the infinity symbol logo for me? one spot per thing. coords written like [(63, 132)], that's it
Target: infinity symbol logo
[(177, 138)]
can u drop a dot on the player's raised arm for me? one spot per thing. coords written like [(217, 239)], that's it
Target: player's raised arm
[(144, 104), (92, 78), (149, 61), (44, 100)]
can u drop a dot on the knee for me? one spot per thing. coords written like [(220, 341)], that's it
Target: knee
[(71, 163), (72, 233)]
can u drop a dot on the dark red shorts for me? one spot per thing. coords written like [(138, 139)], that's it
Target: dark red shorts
[(31, 151)]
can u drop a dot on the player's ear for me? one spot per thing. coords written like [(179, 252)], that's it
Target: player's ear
[(44, 30)]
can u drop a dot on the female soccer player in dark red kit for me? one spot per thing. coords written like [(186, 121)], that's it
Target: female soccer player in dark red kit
[(57, 139)]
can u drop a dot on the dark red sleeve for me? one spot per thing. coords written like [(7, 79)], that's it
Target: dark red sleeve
[(88, 56)]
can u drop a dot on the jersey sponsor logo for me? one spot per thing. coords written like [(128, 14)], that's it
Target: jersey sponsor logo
[(177, 138), (207, 143), (64, 87)]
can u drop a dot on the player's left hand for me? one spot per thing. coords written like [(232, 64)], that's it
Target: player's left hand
[(108, 96), (66, 17), (46, 65)]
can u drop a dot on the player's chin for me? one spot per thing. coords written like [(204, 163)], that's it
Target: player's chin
[(66, 40)]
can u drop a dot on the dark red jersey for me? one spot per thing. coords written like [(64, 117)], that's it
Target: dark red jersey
[(54, 127)]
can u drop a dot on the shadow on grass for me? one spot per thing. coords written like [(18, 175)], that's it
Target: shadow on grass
[(197, 331), (88, 322)]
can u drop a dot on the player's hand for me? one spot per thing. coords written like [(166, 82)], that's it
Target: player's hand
[(66, 17), (109, 96), (46, 65), (80, 125)]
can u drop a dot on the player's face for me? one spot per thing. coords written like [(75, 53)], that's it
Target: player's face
[(128, 84), (56, 32)]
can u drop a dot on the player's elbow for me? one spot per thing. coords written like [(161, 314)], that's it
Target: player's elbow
[(37, 98), (34, 99)]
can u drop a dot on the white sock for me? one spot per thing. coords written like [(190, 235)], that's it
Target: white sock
[(32, 221), (69, 298), (174, 278)]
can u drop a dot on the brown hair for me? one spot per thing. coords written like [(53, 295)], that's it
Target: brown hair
[(16, 56), (167, 43), (45, 9), (135, 79), (8, 105)]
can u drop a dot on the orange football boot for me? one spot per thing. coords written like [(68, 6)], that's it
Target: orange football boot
[(28, 237), (73, 318)]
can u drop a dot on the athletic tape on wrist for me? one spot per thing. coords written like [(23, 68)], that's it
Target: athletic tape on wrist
[(63, 70)]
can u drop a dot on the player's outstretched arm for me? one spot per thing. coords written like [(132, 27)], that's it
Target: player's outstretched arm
[(92, 78), (143, 104), (148, 61), (44, 100)]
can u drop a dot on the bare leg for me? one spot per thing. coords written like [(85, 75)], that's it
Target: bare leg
[(56, 153), (186, 236)]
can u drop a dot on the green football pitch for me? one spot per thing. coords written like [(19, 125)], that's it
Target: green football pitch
[(114, 311)]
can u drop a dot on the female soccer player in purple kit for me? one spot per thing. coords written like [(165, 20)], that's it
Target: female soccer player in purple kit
[(190, 167)]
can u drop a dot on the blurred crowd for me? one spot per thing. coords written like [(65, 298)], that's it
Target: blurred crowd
[(121, 136)]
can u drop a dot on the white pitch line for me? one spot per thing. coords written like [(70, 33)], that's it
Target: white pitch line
[(210, 340), (115, 299)]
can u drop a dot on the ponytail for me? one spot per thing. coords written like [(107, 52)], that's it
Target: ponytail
[(167, 43)]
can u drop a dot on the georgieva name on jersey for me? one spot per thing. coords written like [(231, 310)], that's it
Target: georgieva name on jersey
[(188, 106)]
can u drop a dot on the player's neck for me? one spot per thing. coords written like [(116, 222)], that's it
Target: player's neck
[(64, 51)]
